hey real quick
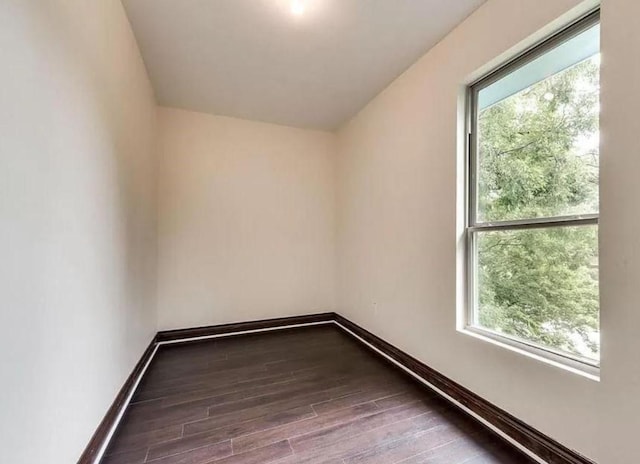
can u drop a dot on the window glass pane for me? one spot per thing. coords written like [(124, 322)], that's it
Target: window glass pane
[(541, 286), (537, 142)]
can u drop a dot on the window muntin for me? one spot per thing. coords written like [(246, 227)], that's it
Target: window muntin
[(533, 197)]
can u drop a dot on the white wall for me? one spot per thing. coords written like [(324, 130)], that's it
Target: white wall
[(619, 398), (399, 224), (246, 225), (249, 229), (77, 235)]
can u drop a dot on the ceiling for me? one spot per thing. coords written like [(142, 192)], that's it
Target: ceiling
[(255, 59)]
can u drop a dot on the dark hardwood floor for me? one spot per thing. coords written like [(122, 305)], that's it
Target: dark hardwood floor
[(302, 396)]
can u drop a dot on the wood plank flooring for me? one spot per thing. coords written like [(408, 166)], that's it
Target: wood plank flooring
[(301, 396)]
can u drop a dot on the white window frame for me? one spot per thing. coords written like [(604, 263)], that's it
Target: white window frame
[(473, 227)]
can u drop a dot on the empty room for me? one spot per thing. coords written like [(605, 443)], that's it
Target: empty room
[(319, 231)]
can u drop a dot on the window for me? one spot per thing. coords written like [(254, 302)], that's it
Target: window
[(532, 226)]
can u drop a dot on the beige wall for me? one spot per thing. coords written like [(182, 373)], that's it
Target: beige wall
[(252, 217), (77, 221), (399, 223), (246, 225), (619, 398)]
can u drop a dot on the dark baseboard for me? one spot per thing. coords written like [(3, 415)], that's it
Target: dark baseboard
[(102, 432), (173, 335), (538, 443)]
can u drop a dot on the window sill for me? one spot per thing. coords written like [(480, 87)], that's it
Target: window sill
[(576, 367)]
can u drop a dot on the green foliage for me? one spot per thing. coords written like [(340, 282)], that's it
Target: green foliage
[(538, 157)]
